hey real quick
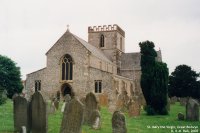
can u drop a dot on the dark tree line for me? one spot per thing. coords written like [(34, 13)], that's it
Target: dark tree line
[(183, 82)]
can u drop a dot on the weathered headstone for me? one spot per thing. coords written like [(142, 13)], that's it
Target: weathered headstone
[(56, 103), (21, 113), (118, 123), (72, 117), (183, 101), (95, 119), (181, 116), (39, 119), (91, 104), (173, 100), (192, 110), (67, 99), (134, 107), (52, 108)]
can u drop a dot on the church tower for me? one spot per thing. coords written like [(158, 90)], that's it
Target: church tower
[(110, 39)]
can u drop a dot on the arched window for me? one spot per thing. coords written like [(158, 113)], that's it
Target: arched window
[(67, 67), (102, 41)]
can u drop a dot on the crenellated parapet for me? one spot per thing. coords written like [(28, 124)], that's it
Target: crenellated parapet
[(106, 28)]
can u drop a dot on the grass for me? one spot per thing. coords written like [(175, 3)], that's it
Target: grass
[(141, 124)]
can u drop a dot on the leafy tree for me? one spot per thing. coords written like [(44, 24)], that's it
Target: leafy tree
[(10, 76), (154, 80), (183, 82)]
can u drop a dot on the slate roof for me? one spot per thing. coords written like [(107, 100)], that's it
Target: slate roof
[(130, 60), (95, 51)]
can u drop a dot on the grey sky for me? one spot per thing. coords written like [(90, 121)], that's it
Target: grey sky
[(28, 28)]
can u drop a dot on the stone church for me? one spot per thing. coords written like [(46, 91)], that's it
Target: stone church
[(100, 65)]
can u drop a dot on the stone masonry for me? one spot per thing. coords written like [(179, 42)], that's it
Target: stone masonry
[(116, 70)]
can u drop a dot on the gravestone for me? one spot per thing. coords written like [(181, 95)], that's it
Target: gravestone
[(72, 117), (67, 98), (39, 119), (183, 101), (95, 120), (134, 107), (91, 104), (21, 113), (173, 100), (118, 122), (52, 108), (192, 110), (56, 104), (181, 116)]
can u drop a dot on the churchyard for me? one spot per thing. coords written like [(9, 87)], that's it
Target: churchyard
[(53, 121)]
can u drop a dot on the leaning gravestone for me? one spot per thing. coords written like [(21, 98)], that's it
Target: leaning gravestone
[(21, 113), (38, 114), (192, 110), (72, 117), (95, 119), (118, 123), (91, 104)]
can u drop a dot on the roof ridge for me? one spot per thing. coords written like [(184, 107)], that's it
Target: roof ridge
[(91, 48)]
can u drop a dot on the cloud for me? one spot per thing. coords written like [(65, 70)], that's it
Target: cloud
[(30, 28)]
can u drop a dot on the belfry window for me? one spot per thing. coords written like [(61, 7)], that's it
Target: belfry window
[(37, 85), (102, 41), (98, 86), (67, 67)]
